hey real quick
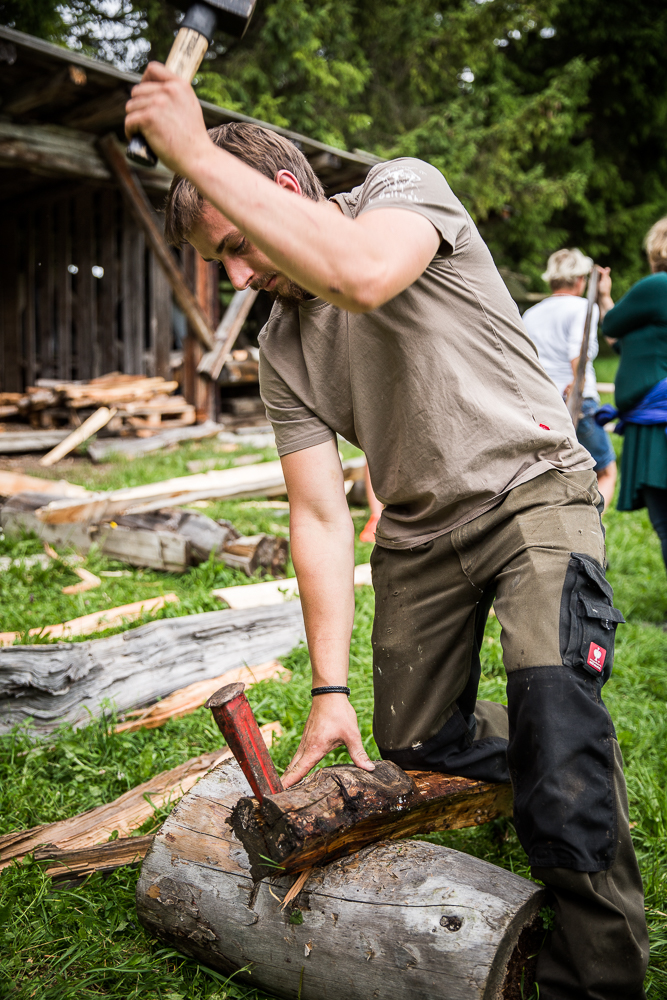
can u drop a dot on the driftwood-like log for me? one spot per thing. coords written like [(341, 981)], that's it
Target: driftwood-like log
[(69, 682), (103, 449), (166, 539), (338, 810), (402, 920), (262, 479)]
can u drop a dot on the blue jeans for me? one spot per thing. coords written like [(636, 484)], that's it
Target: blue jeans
[(656, 502), (594, 438)]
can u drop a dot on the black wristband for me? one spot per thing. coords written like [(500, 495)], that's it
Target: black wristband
[(333, 689)]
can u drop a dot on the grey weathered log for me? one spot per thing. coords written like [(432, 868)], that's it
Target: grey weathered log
[(56, 150), (167, 539), (17, 442), (404, 920), (103, 449), (69, 682)]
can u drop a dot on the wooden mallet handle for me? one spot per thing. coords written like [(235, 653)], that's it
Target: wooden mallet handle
[(184, 60), (233, 714)]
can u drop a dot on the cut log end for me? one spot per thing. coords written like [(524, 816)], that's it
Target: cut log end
[(338, 810)]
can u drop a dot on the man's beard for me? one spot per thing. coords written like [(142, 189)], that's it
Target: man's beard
[(291, 295)]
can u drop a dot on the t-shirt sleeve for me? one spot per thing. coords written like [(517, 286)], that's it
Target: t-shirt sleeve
[(295, 426), (419, 187)]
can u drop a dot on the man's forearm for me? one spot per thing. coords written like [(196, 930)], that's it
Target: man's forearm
[(323, 556)]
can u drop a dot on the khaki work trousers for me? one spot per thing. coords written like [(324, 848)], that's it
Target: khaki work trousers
[(540, 554)]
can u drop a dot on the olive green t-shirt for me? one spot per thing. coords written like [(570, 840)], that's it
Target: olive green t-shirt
[(440, 386)]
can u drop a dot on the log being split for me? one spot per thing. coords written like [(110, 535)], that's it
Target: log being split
[(401, 920), (338, 810)]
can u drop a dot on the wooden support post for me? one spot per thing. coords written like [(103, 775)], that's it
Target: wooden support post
[(143, 211), (84, 303), (159, 318), (132, 303), (108, 287), (10, 356), (63, 289), (29, 322)]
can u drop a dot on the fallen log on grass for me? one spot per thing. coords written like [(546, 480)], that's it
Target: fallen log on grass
[(71, 682), (126, 813), (338, 810), (402, 920), (262, 479), (167, 539), (12, 483), (104, 449)]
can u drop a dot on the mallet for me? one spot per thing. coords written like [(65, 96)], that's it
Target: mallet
[(193, 39), (233, 714)]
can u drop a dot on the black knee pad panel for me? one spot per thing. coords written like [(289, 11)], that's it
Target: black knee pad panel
[(454, 750), (561, 762)]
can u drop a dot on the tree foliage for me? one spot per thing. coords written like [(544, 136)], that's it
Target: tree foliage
[(546, 116)]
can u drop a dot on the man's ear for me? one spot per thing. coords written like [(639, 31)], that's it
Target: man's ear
[(287, 180)]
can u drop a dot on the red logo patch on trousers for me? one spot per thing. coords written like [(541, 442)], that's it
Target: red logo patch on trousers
[(596, 657)]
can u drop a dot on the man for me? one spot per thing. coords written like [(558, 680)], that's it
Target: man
[(556, 327), (393, 328)]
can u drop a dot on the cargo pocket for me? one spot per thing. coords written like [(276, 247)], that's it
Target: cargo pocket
[(588, 619)]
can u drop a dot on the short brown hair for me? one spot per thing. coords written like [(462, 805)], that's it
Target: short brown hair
[(655, 244), (260, 148)]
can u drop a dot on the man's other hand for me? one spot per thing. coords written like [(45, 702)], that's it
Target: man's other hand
[(165, 109), (332, 723)]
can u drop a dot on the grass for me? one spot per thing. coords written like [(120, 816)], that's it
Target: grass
[(85, 941)]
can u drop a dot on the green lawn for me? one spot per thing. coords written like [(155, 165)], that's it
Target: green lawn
[(57, 944)]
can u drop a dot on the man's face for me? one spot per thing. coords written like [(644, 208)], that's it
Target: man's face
[(216, 238)]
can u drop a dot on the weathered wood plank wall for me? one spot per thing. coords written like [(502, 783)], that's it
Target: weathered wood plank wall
[(61, 319)]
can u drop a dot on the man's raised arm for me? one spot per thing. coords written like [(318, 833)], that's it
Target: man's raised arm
[(322, 540), (356, 265)]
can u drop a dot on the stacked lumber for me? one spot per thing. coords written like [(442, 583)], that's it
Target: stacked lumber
[(46, 685), (142, 403)]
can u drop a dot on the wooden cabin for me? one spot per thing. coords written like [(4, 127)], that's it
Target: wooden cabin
[(82, 292)]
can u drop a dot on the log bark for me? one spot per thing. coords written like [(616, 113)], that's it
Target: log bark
[(399, 920), (54, 150), (338, 810), (69, 682)]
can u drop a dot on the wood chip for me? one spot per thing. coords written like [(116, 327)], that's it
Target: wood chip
[(296, 887)]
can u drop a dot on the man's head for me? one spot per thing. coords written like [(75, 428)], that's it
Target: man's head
[(188, 218), (655, 244), (567, 271)]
